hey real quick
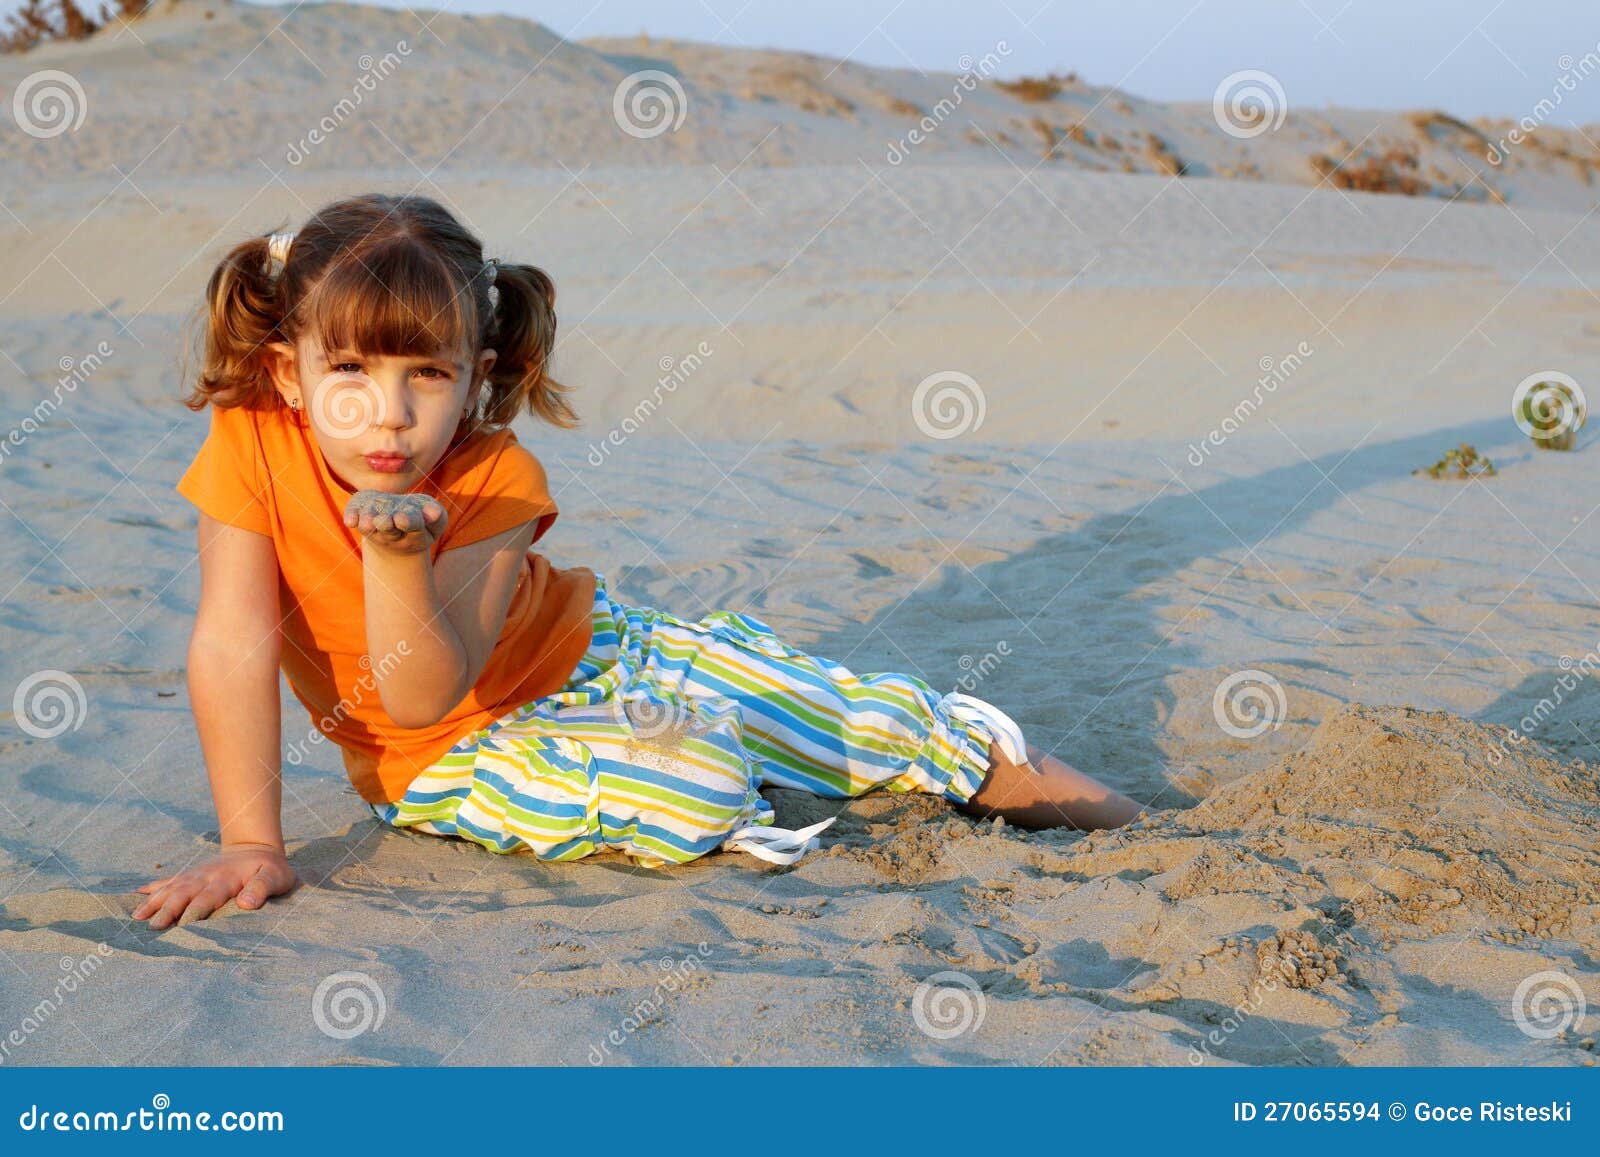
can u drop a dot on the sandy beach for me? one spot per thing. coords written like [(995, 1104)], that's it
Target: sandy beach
[(1306, 656)]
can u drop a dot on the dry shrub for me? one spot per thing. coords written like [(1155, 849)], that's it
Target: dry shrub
[(899, 106), (1442, 126), (1391, 171), (798, 87), (40, 21), (1037, 88), (1162, 156), (1047, 133)]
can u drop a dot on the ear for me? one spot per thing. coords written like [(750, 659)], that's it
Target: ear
[(279, 359), (480, 375)]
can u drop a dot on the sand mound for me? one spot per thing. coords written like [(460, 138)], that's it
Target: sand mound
[(1390, 822), (1400, 821), (1305, 913), (1403, 761)]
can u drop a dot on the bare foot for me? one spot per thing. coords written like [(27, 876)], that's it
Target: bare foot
[(1047, 793)]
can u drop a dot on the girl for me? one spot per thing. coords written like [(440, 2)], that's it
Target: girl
[(365, 521)]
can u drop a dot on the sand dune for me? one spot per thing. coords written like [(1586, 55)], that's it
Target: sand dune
[(242, 87)]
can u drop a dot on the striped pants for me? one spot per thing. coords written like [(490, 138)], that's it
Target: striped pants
[(659, 743)]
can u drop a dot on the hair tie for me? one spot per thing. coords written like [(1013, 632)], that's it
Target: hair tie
[(278, 253), (491, 267)]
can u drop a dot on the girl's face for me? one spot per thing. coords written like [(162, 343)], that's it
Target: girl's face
[(381, 421)]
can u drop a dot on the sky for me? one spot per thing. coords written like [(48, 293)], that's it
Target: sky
[(1468, 57)]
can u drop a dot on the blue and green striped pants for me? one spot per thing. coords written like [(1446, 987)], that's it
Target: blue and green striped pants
[(659, 743)]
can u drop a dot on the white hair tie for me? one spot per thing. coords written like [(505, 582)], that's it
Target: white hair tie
[(278, 253), (492, 267)]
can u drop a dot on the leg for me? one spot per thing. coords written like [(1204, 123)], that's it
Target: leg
[(814, 725), (1047, 793), (811, 723)]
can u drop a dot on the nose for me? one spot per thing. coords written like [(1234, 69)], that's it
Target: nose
[(395, 412)]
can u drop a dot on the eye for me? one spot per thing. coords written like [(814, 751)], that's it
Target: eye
[(435, 373), (346, 368)]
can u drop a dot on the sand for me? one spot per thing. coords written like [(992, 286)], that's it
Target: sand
[(1373, 872)]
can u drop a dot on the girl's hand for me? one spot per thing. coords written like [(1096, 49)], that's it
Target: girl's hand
[(251, 872), (397, 523)]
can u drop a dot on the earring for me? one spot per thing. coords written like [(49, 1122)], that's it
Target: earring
[(294, 404)]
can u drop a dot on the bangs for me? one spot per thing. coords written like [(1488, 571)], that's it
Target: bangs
[(398, 300)]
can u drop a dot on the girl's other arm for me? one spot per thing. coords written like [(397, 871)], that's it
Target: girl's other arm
[(431, 626), (233, 661)]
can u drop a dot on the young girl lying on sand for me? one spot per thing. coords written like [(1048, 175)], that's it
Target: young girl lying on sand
[(365, 522)]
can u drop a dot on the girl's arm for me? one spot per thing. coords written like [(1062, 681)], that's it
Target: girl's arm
[(234, 654), (431, 625), (233, 688)]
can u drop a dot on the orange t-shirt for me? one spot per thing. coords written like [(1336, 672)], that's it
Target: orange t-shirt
[(262, 470)]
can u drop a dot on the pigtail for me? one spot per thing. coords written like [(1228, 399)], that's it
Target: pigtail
[(523, 335), (384, 275), (240, 315)]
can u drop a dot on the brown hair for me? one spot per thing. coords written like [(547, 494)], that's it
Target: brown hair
[(383, 275)]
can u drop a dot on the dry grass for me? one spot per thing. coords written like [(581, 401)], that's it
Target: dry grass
[(1243, 171), (1441, 126), (1160, 154), (1037, 89), (1391, 171), (1048, 133), (899, 106), (793, 86), (38, 22)]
